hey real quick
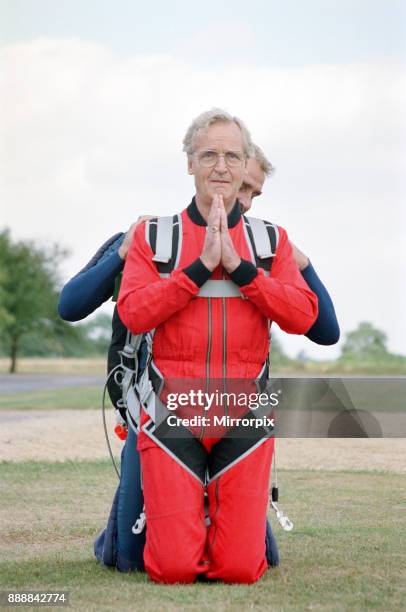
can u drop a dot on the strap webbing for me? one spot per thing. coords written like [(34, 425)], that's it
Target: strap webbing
[(163, 251), (219, 288), (261, 238)]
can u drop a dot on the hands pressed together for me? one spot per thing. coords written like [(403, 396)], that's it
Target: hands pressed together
[(218, 246)]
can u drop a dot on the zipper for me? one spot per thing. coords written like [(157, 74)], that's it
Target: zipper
[(208, 354), (208, 340), (223, 300), (224, 364)]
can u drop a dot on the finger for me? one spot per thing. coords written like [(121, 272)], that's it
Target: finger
[(215, 201), (143, 218), (213, 220), (213, 208), (223, 215), (224, 223), (217, 220), (131, 229)]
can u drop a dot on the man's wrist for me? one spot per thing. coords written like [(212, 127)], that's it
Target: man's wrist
[(244, 273), (198, 272), (207, 264), (232, 265)]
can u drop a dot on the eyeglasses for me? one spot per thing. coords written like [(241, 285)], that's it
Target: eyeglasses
[(207, 159)]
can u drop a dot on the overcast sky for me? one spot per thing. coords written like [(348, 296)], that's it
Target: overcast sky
[(97, 95)]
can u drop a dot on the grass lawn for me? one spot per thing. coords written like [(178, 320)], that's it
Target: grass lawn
[(346, 552), (377, 396), (97, 365), (78, 398), (57, 365)]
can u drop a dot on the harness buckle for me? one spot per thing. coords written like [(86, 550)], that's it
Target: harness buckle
[(283, 520)]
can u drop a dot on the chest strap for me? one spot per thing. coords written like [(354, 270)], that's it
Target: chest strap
[(219, 288)]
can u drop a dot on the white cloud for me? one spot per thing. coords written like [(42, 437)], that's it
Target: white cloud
[(91, 140)]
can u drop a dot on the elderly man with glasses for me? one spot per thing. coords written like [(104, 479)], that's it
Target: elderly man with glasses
[(203, 336)]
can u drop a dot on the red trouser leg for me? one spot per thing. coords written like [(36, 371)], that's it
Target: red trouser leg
[(174, 507), (238, 501), (176, 543)]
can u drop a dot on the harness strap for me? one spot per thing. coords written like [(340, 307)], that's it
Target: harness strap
[(163, 248), (133, 409), (186, 450), (219, 288), (214, 288), (261, 238)]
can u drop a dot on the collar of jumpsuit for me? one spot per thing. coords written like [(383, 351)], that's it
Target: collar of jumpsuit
[(194, 214)]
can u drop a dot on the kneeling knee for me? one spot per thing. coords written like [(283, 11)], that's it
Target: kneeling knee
[(241, 573), (171, 573)]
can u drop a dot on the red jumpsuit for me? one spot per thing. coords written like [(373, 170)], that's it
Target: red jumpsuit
[(208, 338)]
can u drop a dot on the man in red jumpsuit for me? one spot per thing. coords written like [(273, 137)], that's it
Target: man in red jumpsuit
[(210, 338)]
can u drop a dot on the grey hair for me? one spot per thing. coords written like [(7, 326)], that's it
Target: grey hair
[(215, 115), (263, 161)]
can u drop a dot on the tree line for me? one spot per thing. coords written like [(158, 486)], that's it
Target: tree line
[(30, 325), (29, 291)]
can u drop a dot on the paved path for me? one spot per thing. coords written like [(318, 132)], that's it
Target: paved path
[(24, 383)]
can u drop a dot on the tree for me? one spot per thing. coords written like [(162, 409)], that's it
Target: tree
[(277, 355), (365, 342), (4, 316), (97, 332), (29, 287), (84, 339)]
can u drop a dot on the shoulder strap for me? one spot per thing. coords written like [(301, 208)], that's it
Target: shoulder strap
[(262, 238), (164, 238), (164, 235)]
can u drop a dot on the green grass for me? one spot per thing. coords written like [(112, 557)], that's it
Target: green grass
[(346, 551), (338, 367), (79, 398), (58, 365), (392, 366), (387, 396)]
